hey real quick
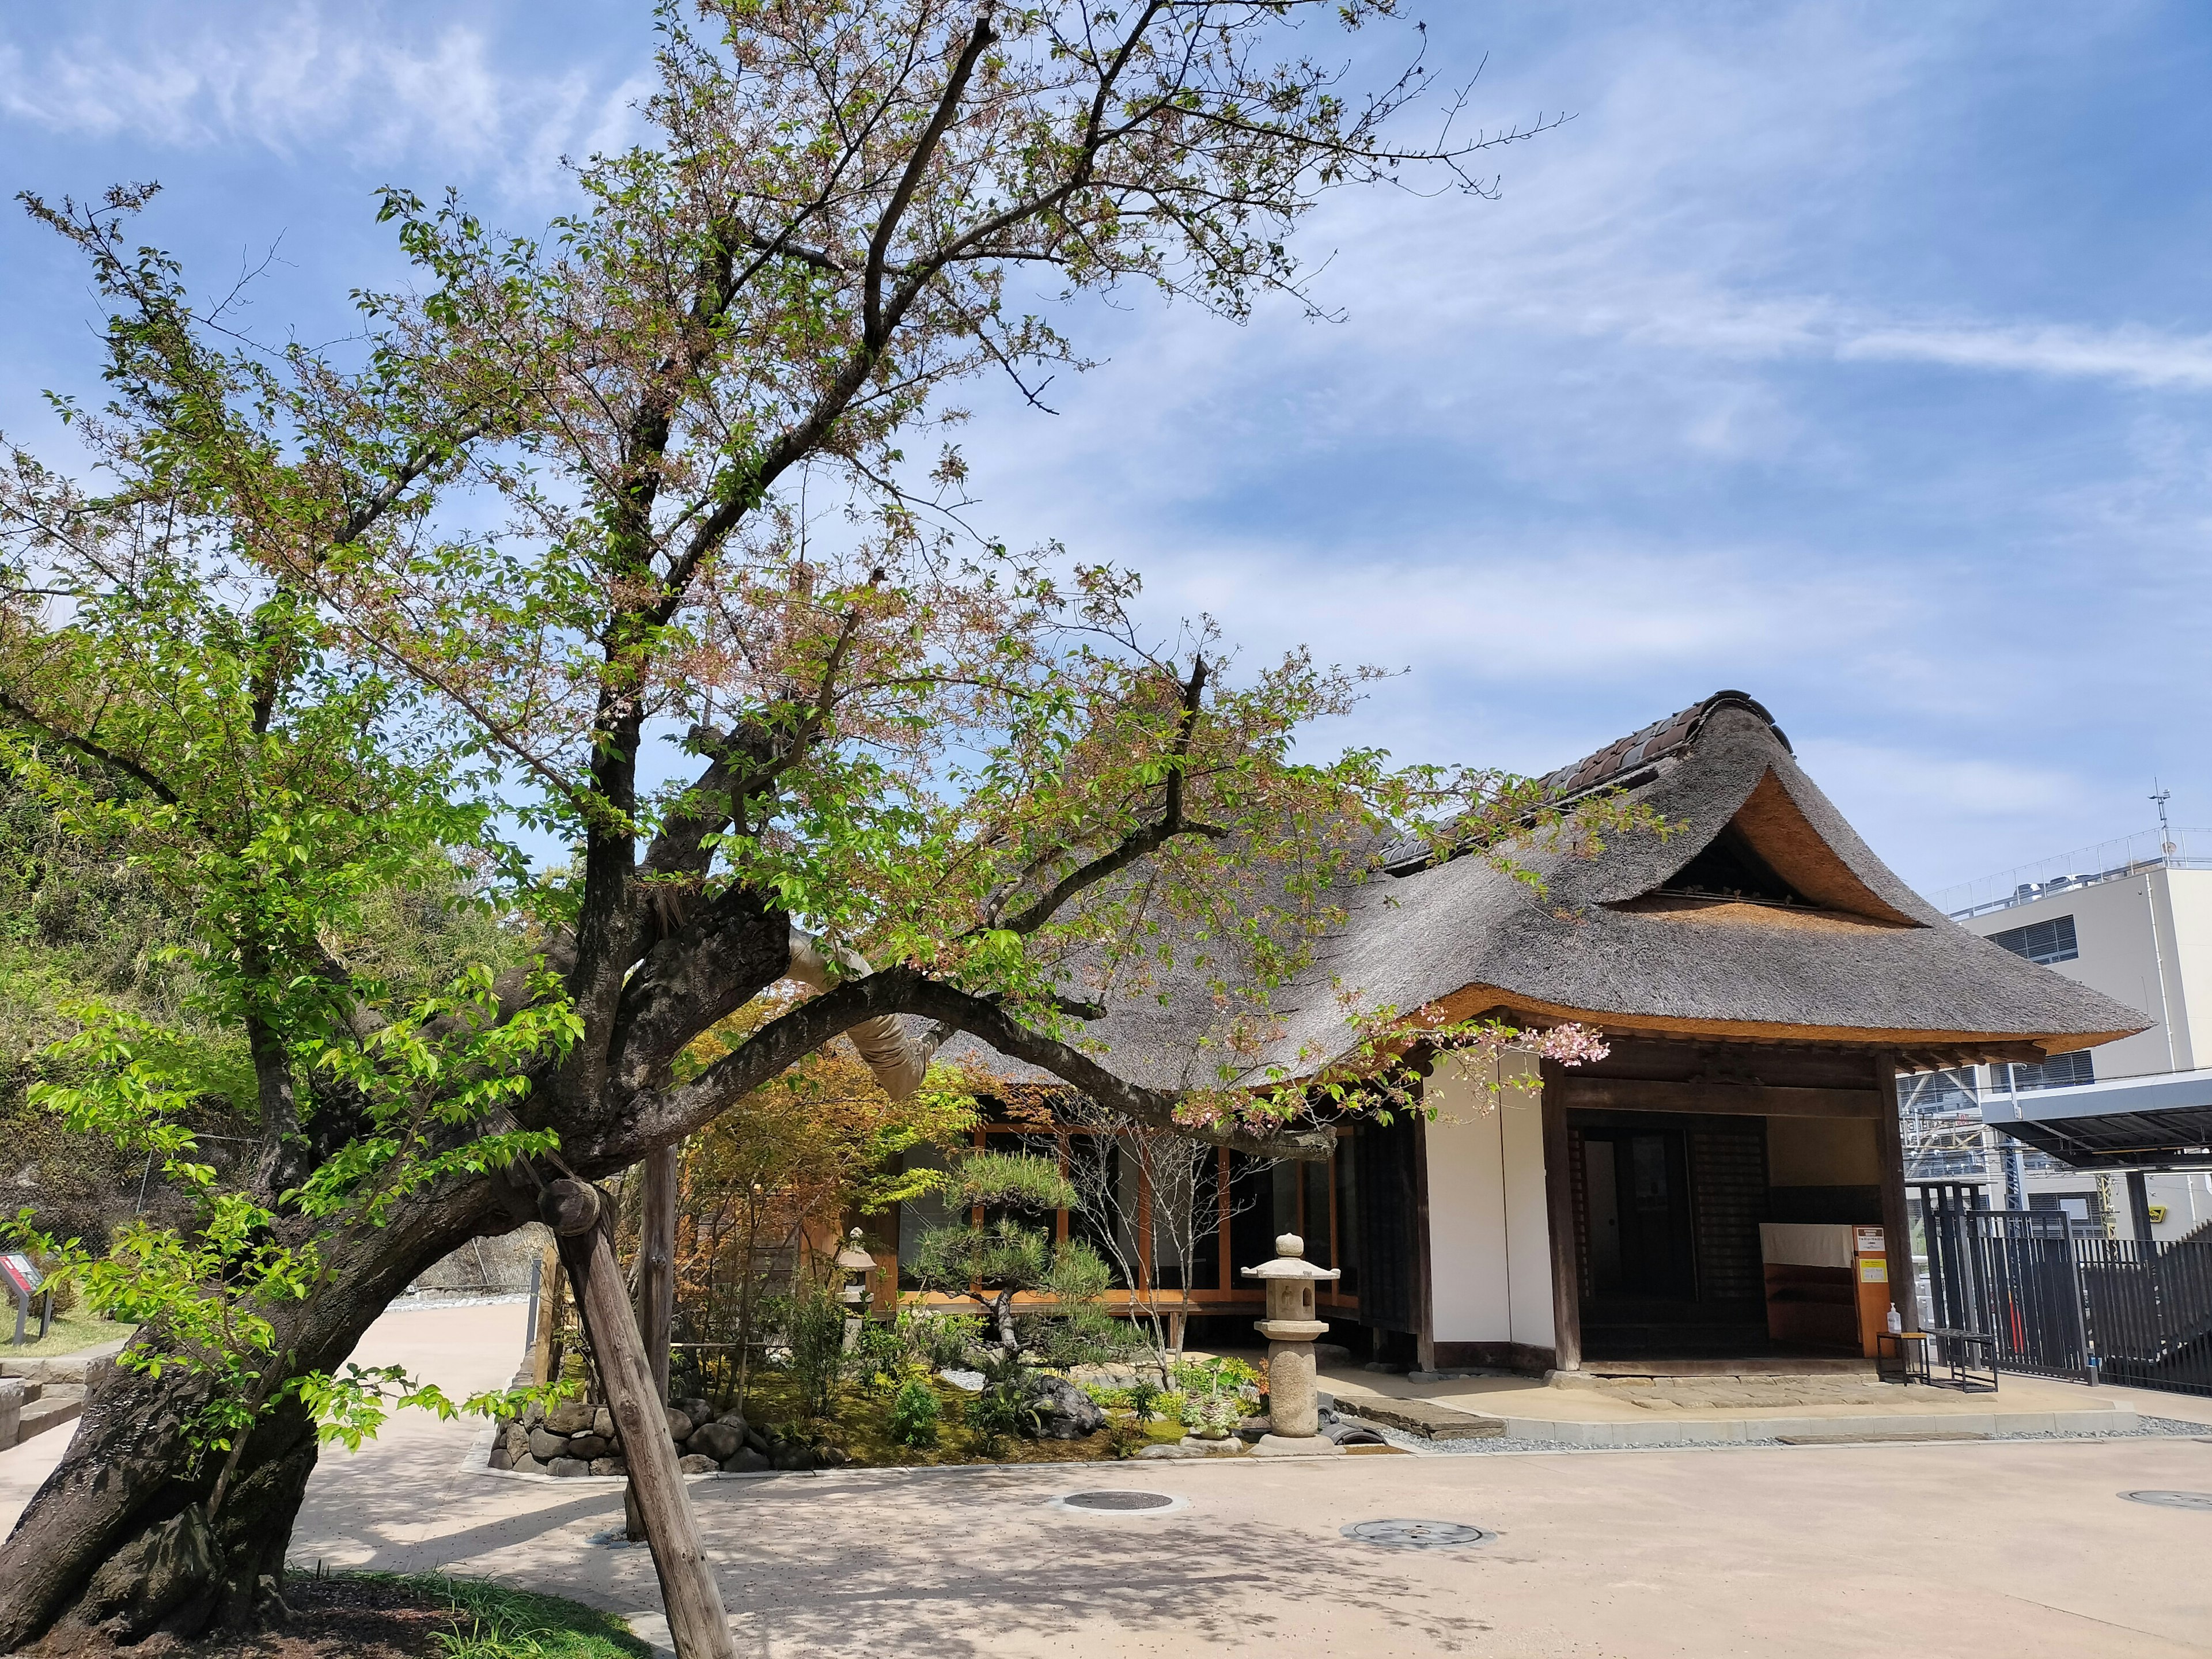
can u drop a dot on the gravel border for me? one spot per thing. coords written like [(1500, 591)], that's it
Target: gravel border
[(2147, 1428)]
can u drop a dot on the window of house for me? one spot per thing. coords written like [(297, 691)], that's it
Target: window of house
[(2047, 941)]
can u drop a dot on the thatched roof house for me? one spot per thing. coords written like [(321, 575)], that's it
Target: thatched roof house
[(1762, 977)]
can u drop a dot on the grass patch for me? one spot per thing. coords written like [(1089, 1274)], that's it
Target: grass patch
[(497, 1621), (70, 1333)]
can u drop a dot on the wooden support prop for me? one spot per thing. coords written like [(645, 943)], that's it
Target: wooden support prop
[(551, 1289), (698, 1623), (656, 1278)]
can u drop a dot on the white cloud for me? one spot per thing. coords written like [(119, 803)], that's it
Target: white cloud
[(293, 79), (2132, 354)]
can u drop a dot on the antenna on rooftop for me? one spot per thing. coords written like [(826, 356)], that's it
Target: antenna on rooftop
[(2165, 836)]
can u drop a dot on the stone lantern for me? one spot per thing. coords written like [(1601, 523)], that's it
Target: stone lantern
[(1291, 1328), (856, 1265)]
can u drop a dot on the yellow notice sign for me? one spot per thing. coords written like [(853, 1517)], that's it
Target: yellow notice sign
[(1874, 1272)]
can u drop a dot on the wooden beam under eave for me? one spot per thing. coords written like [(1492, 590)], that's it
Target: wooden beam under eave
[(1760, 1100)]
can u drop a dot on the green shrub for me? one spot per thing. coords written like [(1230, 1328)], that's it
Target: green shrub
[(947, 1340), (1213, 1375), (1008, 1408), (1211, 1413), (812, 1320), (916, 1415), (1144, 1396)]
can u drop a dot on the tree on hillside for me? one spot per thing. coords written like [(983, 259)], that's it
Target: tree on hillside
[(968, 767)]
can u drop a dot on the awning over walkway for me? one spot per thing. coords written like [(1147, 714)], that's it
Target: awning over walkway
[(2163, 1121)]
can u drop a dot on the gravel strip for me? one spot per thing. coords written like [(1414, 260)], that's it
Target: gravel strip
[(2147, 1428)]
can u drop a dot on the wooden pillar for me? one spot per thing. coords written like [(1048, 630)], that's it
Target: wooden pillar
[(656, 1277), (1560, 1201), (698, 1625), (1424, 1340), (1896, 1219)]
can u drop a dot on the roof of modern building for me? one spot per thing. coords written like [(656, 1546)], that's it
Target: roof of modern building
[(2164, 1118), (1760, 915)]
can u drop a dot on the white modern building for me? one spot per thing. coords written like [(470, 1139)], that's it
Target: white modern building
[(2109, 1135)]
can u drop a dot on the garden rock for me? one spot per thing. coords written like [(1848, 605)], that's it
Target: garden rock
[(545, 1447), (757, 1441), (679, 1426), (573, 1417), (747, 1462), (793, 1457), (967, 1381), (603, 1424), (567, 1466), (697, 1410), (697, 1465), (501, 1458), (1175, 1449), (589, 1446), (528, 1465), (716, 1440), (1066, 1412), (833, 1457), (533, 1413), (733, 1420), (609, 1466)]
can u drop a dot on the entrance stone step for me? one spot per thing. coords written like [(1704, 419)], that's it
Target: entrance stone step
[(1421, 1417), (1840, 1365)]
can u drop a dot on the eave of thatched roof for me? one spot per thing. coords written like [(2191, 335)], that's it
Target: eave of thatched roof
[(1851, 955)]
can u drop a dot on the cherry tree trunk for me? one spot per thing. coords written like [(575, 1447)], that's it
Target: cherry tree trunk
[(117, 1544)]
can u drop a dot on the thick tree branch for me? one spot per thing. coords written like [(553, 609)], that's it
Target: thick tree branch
[(1138, 843), (603, 1141), (121, 764)]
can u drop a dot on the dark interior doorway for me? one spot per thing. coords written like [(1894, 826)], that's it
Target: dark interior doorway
[(1666, 1212), (1641, 1245)]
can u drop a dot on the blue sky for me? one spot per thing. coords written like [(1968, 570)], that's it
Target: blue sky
[(1860, 357)]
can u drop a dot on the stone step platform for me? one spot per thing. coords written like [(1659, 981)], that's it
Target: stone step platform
[(1839, 1366), (1424, 1418)]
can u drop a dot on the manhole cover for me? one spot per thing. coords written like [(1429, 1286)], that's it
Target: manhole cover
[(1117, 1503), (1416, 1535), (2172, 1500)]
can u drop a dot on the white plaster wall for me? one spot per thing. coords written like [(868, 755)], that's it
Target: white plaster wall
[(1528, 1213), (1490, 1262)]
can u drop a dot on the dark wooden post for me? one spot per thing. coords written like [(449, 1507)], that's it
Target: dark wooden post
[(656, 1278), (1559, 1203), (698, 1623), (1896, 1219)]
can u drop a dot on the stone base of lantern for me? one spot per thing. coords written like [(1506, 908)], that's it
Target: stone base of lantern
[(1276, 1445)]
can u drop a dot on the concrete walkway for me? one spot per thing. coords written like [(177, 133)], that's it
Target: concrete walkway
[(2023, 1548), (1630, 1411), (2020, 1548)]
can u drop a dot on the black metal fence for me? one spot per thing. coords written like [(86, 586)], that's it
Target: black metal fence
[(2059, 1305)]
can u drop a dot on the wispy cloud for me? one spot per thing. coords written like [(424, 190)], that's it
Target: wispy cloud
[(296, 79), (2132, 354)]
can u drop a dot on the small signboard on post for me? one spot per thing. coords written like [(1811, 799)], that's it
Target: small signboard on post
[(26, 1281)]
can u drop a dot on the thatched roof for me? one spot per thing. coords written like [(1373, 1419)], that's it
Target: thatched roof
[(1761, 917)]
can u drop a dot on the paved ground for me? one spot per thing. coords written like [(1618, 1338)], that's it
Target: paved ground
[(2019, 1548)]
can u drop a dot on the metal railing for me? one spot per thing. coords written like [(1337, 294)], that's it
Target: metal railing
[(2057, 1303), (2111, 861)]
